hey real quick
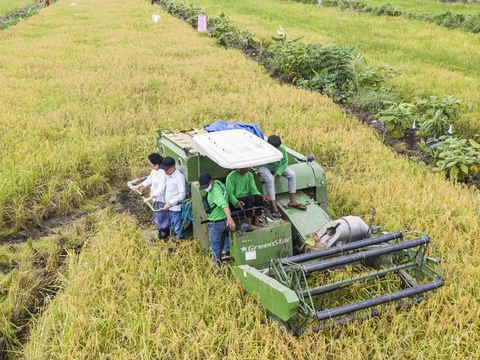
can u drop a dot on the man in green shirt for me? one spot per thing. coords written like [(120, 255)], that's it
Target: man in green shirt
[(220, 220), (244, 195), (269, 173)]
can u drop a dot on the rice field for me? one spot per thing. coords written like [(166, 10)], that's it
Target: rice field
[(83, 89)]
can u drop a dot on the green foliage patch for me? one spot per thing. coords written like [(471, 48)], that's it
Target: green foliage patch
[(448, 19)]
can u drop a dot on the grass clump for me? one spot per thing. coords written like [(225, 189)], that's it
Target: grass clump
[(375, 100)]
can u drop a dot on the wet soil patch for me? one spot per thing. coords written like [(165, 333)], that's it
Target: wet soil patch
[(126, 201), (406, 146), (6, 268), (35, 232)]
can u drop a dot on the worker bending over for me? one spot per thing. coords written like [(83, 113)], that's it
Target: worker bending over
[(269, 173), (175, 192), (157, 181), (243, 194), (218, 215)]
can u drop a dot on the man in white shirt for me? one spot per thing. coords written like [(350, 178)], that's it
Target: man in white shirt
[(175, 192), (157, 180)]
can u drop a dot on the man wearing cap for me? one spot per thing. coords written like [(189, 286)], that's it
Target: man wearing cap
[(175, 192), (220, 220), (157, 181)]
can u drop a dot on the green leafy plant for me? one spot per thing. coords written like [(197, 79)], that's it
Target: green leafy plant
[(448, 19), (375, 76), (345, 4), (437, 113), (328, 69), (398, 118), (326, 82), (229, 36), (459, 158), (221, 29), (287, 59), (472, 23), (387, 10), (375, 100)]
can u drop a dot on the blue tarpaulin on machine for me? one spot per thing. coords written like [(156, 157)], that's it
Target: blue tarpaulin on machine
[(221, 125)]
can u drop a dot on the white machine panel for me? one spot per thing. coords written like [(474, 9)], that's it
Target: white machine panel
[(235, 149)]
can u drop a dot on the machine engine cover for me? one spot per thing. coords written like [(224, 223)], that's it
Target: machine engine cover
[(344, 230)]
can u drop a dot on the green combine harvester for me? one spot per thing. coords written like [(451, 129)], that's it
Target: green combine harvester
[(307, 270)]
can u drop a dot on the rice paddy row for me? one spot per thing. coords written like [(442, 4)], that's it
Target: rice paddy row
[(30, 275), (430, 6), (464, 21)]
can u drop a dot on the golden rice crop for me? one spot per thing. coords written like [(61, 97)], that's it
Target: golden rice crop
[(124, 300), (30, 273), (85, 88)]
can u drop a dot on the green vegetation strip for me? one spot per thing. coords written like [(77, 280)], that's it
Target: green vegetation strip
[(432, 6), (447, 19), (123, 300), (342, 75), (15, 17), (9, 6)]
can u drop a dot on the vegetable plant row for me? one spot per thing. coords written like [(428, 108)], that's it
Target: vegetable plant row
[(20, 15), (10, 6), (448, 19)]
